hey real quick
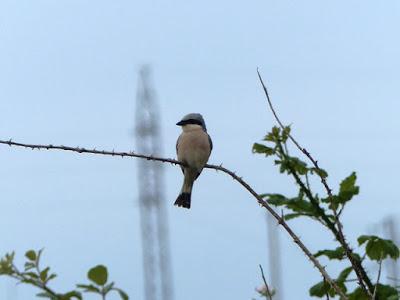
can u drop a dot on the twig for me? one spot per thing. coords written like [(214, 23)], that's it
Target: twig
[(377, 280), (266, 284), (362, 276), (259, 199)]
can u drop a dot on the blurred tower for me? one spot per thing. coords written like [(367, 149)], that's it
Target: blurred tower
[(153, 217), (274, 259), (390, 228)]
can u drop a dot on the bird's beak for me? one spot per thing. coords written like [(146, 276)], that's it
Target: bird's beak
[(180, 123)]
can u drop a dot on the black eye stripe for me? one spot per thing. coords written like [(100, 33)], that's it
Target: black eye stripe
[(192, 121)]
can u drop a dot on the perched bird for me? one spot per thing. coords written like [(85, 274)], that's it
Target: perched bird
[(193, 148)]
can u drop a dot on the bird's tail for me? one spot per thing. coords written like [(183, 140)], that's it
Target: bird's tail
[(184, 197), (183, 200)]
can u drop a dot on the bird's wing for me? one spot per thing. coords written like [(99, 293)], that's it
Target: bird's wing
[(210, 141), (177, 145)]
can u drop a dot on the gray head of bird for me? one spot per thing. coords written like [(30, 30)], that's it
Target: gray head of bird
[(193, 119)]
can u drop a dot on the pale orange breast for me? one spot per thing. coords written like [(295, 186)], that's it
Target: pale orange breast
[(194, 148)]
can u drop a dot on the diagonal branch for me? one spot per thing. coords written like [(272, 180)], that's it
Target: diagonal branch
[(362, 276), (259, 199)]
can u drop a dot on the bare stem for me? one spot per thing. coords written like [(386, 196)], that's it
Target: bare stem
[(377, 280), (259, 199), (266, 284)]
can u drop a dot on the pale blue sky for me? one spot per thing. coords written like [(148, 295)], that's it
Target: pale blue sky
[(68, 75)]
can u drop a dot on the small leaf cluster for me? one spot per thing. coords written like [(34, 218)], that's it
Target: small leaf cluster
[(306, 203), (326, 211), (377, 248), (98, 277), (39, 277)]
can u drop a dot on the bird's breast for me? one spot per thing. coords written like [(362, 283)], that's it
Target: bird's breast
[(194, 148)]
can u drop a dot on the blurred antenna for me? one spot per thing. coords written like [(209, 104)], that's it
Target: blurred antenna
[(390, 228), (274, 259), (153, 216)]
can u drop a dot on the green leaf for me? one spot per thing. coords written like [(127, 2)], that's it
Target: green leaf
[(30, 281), (10, 257), (43, 274), (39, 254), (285, 133), (290, 164), (29, 266), (386, 291), (89, 288), (6, 264), (31, 275), (31, 255), (358, 294), (383, 292), (363, 238), (98, 275), (276, 199), (108, 287), (348, 188), (274, 135), (299, 165), (291, 216), (344, 274), (121, 293), (321, 289), (52, 276), (45, 295), (70, 295), (321, 172), (296, 204), (338, 253), (262, 149), (377, 248)]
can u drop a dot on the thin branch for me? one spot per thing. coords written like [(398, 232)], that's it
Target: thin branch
[(358, 268), (377, 280), (265, 282), (259, 199), (91, 151)]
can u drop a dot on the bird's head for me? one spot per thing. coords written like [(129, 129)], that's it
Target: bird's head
[(193, 119)]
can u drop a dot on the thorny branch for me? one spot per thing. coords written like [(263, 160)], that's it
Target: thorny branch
[(259, 199), (362, 276)]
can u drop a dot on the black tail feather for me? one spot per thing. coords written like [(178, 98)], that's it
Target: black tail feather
[(183, 200)]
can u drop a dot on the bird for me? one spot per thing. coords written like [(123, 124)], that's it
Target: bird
[(193, 149)]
